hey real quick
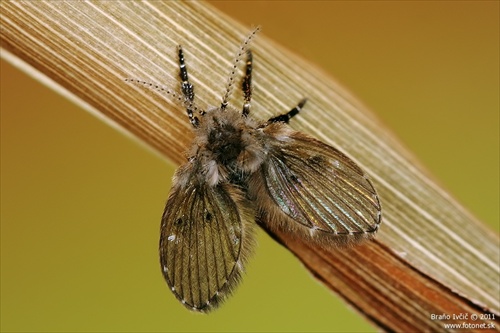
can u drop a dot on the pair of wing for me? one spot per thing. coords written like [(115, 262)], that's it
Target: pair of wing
[(304, 187)]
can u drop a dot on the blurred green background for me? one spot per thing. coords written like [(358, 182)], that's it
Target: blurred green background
[(81, 203)]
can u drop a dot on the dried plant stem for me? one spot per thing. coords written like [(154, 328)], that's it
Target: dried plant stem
[(430, 257)]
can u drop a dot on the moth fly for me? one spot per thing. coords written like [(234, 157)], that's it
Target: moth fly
[(240, 170)]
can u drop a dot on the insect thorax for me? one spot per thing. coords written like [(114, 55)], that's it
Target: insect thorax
[(226, 143)]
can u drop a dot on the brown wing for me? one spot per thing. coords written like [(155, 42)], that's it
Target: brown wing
[(308, 187), (205, 234)]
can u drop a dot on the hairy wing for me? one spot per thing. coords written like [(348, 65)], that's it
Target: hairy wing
[(205, 234), (315, 189)]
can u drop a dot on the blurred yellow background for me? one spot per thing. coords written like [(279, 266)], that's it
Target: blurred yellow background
[(81, 203)]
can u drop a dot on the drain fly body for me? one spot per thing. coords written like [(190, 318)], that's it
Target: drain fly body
[(241, 170)]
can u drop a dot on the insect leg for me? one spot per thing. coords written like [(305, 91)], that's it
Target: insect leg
[(187, 89), (246, 85), (285, 118)]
